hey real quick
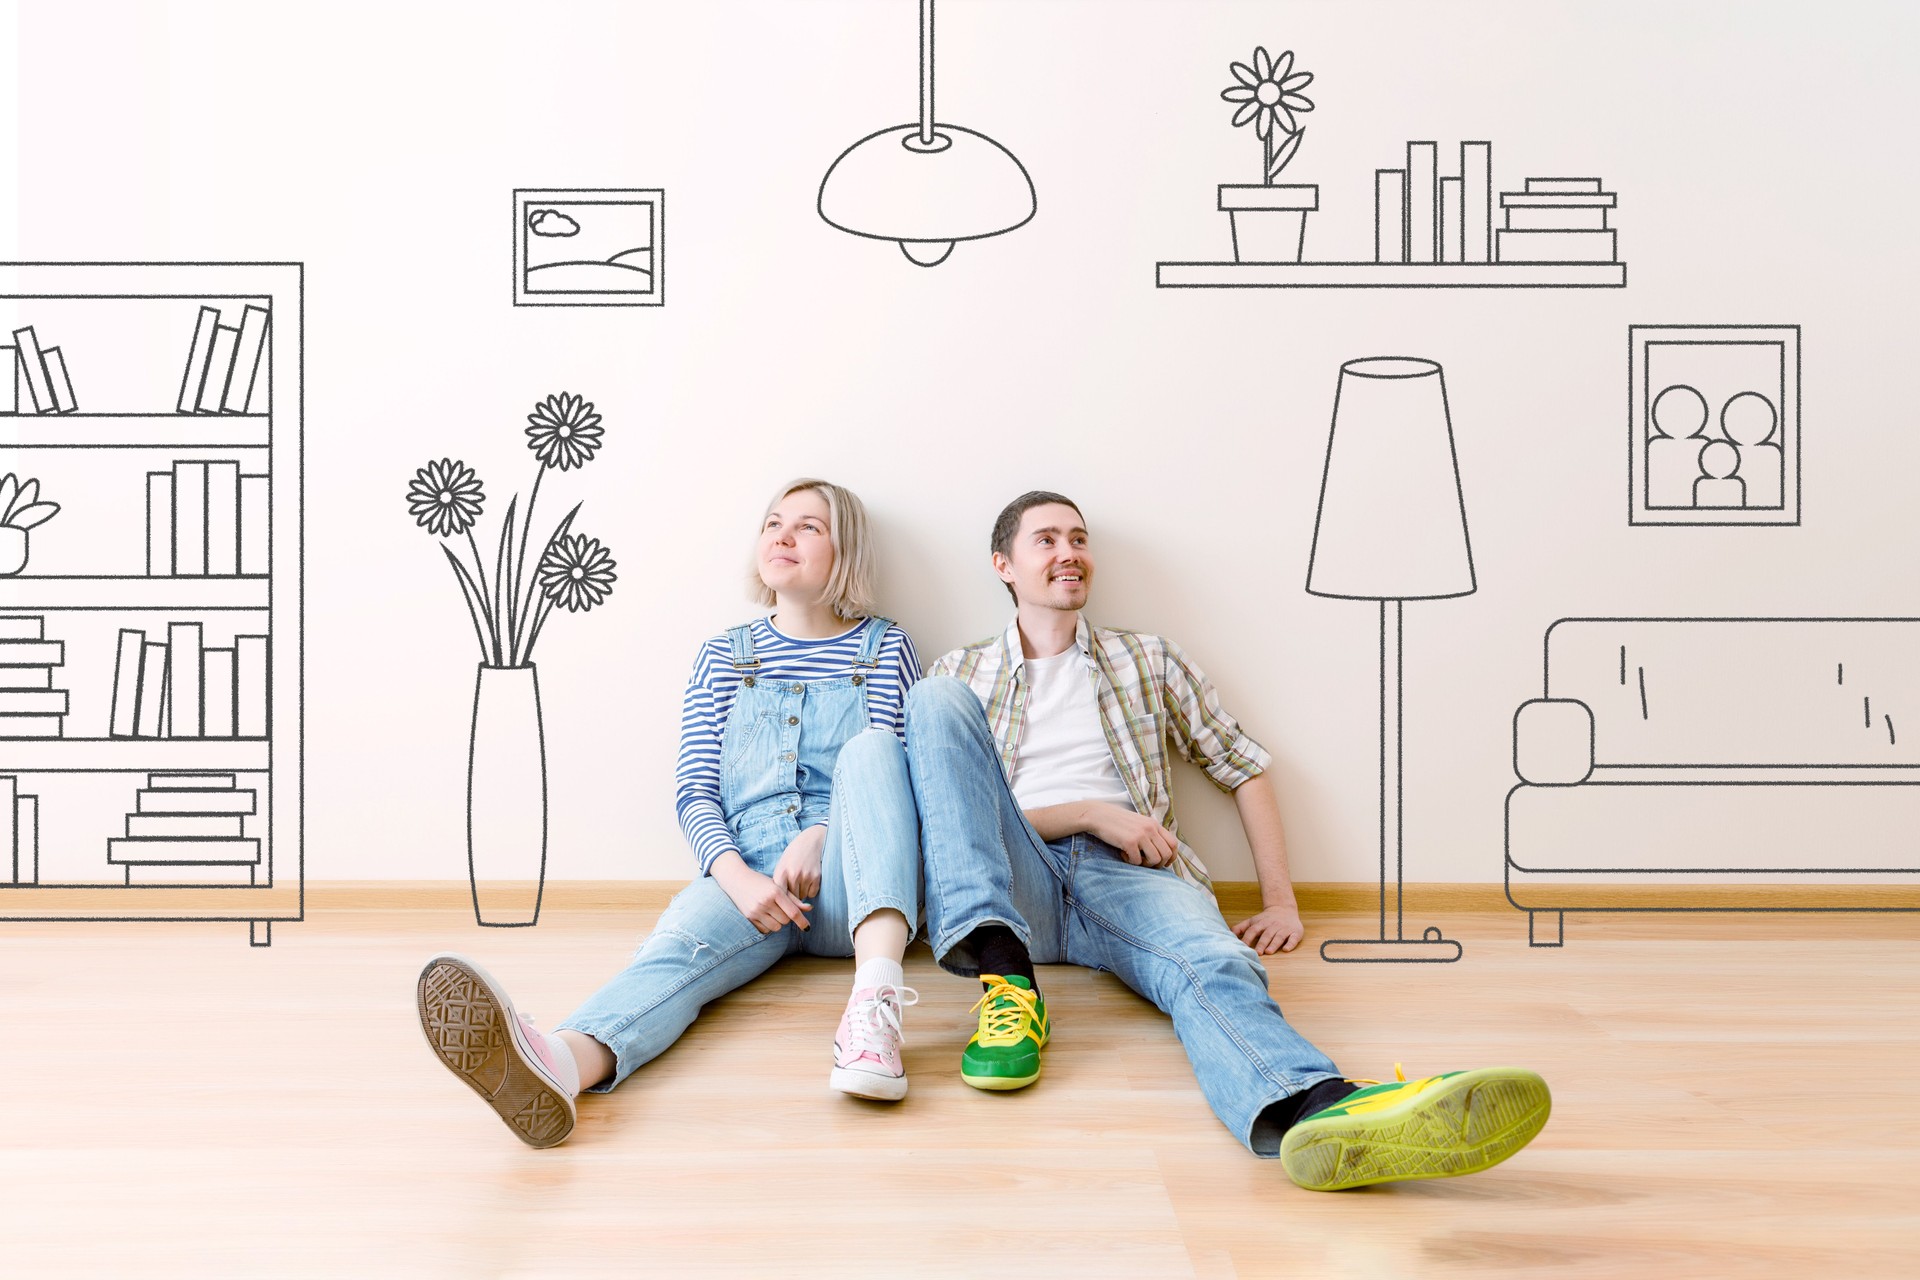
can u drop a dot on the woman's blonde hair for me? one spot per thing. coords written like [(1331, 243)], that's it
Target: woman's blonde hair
[(850, 592)]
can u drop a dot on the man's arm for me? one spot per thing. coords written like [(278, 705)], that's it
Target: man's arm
[(1140, 840), (1277, 927)]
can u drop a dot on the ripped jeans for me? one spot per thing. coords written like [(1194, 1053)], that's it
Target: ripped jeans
[(702, 947)]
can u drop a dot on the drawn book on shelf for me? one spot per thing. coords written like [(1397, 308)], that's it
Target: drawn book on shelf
[(226, 370), (206, 519), (184, 688), (30, 707), (40, 383), (189, 829), (19, 834)]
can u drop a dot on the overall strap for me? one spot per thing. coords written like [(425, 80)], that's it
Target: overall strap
[(869, 655), (741, 637)]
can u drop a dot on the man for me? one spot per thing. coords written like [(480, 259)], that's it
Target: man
[(1040, 764)]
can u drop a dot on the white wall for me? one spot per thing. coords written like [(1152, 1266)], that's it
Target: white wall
[(1762, 153)]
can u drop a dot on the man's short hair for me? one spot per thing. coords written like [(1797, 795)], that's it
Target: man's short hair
[(1008, 523)]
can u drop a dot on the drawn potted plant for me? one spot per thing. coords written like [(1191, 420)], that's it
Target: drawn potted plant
[(20, 511), (1269, 219), (506, 766)]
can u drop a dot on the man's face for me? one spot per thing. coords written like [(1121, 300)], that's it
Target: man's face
[(1050, 564)]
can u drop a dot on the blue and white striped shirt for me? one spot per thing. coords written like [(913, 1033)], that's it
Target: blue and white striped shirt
[(715, 683)]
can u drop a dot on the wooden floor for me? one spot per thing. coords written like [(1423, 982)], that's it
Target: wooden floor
[(1732, 1096)]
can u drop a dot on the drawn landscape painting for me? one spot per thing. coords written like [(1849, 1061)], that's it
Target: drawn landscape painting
[(588, 248)]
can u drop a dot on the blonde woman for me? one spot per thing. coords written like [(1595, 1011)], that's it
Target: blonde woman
[(790, 762)]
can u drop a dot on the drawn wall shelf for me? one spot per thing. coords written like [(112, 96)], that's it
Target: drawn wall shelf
[(1383, 275), (151, 747)]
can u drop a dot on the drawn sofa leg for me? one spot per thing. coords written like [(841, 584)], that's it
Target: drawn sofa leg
[(1546, 928), (260, 933)]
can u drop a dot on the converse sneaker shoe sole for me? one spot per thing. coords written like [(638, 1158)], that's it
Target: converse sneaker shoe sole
[(869, 1084), (471, 1026), (1466, 1122)]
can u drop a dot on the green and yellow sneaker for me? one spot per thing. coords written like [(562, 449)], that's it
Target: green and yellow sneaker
[(1437, 1127), (1005, 1052)]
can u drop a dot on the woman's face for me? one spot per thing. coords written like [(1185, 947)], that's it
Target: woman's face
[(796, 546)]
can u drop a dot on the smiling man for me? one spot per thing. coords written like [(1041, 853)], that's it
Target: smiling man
[(1040, 763)]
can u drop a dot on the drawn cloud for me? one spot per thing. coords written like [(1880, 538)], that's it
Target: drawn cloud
[(552, 222)]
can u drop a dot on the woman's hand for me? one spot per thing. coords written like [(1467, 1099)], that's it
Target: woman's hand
[(798, 871), (767, 907)]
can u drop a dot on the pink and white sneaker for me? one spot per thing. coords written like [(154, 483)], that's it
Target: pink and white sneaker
[(866, 1048), (474, 1029)]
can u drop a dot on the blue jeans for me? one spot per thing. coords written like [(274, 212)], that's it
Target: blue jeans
[(702, 947), (1078, 901)]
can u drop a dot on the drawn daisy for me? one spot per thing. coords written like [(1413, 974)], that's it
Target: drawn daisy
[(1268, 94), (576, 573), (564, 431), (445, 497)]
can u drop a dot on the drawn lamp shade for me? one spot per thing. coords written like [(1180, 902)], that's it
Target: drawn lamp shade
[(1391, 527), (926, 185)]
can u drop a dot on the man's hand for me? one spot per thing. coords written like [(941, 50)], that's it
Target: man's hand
[(1140, 840), (765, 904), (1274, 929), (798, 871)]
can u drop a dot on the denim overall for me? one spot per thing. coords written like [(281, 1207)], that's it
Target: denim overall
[(794, 754)]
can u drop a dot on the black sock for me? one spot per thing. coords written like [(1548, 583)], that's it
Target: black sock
[(1287, 1112), (999, 950)]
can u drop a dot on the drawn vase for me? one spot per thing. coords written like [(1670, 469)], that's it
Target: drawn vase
[(507, 798), (1269, 223), (13, 550)]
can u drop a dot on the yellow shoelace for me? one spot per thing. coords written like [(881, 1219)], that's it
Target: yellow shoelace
[(1006, 1011), (1399, 1077)]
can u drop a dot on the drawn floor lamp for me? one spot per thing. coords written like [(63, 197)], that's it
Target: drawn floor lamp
[(1391, 527), (926, 185)]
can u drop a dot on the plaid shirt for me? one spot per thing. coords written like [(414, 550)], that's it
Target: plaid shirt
[(1149, 692)]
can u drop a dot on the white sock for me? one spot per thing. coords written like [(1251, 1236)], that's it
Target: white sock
[(563, 1062), (879, 972)]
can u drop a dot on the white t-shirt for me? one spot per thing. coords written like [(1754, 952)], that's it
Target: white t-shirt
[(1063, 755)]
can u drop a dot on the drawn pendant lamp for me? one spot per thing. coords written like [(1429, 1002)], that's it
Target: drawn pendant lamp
[(1391, 527), (926, 186)]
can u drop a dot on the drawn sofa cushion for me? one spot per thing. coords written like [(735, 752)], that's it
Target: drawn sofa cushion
[(1672, 758)]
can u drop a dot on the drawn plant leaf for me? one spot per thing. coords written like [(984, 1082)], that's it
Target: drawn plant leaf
[(1285, 152), (9, 490), (34, 513), (476, 602)]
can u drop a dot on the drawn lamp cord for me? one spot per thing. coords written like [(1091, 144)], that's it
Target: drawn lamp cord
[(1392, 527), (928, 185)]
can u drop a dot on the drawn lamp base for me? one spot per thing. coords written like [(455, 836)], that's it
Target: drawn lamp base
[(1429, 947)]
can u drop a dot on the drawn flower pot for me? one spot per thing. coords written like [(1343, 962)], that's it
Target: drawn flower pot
[(507, 798), (13, 550), (1269, 223)]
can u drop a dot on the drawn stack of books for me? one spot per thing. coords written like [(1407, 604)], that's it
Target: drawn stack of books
[(227, 366), (19, 834), (188, 829), (205, 519), (39, 383), (181, 687), (1558, 220), (30, 707)]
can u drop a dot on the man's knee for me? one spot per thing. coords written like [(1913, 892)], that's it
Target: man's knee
[(941, 699)]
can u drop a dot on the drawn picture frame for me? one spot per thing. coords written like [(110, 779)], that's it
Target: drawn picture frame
[(589, 247), (1713, 425)]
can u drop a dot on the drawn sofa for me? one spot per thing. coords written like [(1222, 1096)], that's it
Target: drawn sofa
[(1718, 764)]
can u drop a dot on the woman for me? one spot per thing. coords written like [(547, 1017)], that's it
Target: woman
[(790, 756)]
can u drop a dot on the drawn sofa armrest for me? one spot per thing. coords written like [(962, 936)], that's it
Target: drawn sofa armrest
[(1553, 742)]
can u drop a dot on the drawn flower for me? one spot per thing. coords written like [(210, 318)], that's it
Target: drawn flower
[(1267, 94), (564, 432), (576, 573), (445, 497)]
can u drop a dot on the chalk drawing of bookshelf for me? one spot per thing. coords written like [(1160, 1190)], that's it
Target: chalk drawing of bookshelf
[(151, 660)]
